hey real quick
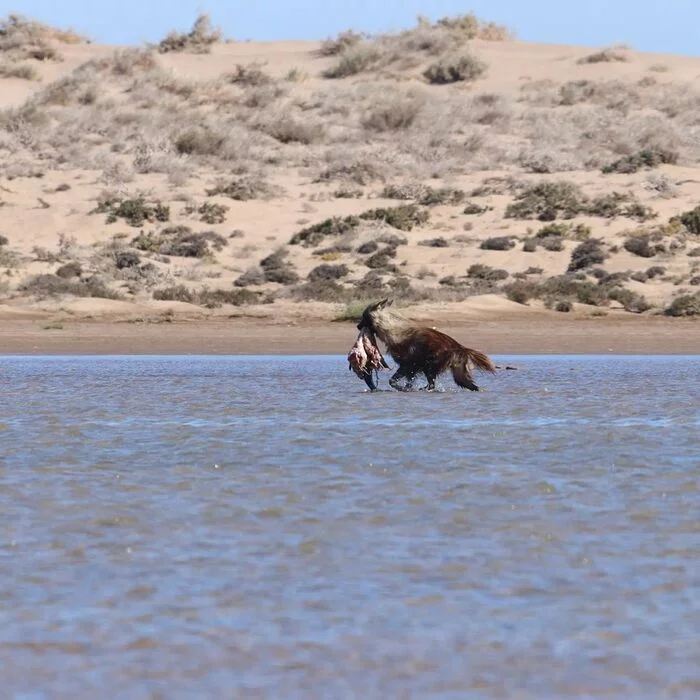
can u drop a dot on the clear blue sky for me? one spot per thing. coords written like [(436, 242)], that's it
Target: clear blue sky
[(668, 26)]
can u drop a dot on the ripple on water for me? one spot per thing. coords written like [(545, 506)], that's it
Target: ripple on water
[(181, 526)]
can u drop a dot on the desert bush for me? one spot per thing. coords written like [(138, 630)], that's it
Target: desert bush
[(475, 209), (395, 113), (126, 258), (444, 195), (252, 276), (393, 240), (486, 272), (18, 69), (339, 44), (328, 291), (290, 129), (684, 305), (521, 291), (335, 226), (498, 243), (579, 232), (553, 244), (586, 254), (337, 249), (211, 213), (694, 252), (456, 68), (631, 301), (198, 40), (646, 158), (382, 259), (611, 54), (276, 268), (352, 60), (547, 201), (639, 245), (134, 211), (198, 140), (328, 272), (4, 240), (691, 220), (529, 245), (243, 188), (404, 217), (69, 270), (439, 242), (368, 247), (178, 292), (42, 286), (563, 306), (250, 75)]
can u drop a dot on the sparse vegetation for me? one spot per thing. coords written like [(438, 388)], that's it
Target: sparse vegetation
[(613, 54), (134, 211), (646, 158), (198, 40), (587, 254), (548, 201), (454, 69), (498, 243), (684, 305)]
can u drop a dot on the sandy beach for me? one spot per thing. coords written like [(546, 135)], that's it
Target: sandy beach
[(253, 336)]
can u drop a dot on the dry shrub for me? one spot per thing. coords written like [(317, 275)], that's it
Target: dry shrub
[(341, 43), (198, 40), (20, 70), (352, 60), (454, 69), (684, 305), (291, 129), (43, 286), (646, 158), (328, 272), (588, 253), (244, 188), (394, 113), (498, 243), (250, 75), (612, 54)]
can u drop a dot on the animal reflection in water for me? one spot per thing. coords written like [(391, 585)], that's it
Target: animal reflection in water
[(416, 350)]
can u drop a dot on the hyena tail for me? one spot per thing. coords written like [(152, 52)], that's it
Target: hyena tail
[(462, 365)]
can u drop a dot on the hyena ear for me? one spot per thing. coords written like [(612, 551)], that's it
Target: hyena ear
[(381, 304)]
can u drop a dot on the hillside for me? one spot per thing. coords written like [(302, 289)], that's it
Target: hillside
[(449, 166)]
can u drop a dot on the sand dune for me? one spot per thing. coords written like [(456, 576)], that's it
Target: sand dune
[(285, 147)]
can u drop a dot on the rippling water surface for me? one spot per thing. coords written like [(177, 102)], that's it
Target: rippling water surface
[(263, 527)]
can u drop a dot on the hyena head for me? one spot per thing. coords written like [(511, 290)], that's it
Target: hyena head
[(369, 319)]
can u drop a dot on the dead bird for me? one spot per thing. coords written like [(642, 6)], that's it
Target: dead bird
[(365, 358)]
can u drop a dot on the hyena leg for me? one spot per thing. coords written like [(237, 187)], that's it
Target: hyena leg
[(402, 373), (430, 377)]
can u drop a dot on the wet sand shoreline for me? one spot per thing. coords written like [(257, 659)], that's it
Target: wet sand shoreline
[(272, 337)]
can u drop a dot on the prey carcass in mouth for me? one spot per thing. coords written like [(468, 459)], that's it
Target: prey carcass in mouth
[(365, 358)]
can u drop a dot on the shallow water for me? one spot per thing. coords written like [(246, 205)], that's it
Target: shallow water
[(263, 527)]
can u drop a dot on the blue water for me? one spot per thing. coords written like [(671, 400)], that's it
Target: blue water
[(264, 527)]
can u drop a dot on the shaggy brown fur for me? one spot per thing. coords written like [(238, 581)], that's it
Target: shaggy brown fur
[(422, 350)]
